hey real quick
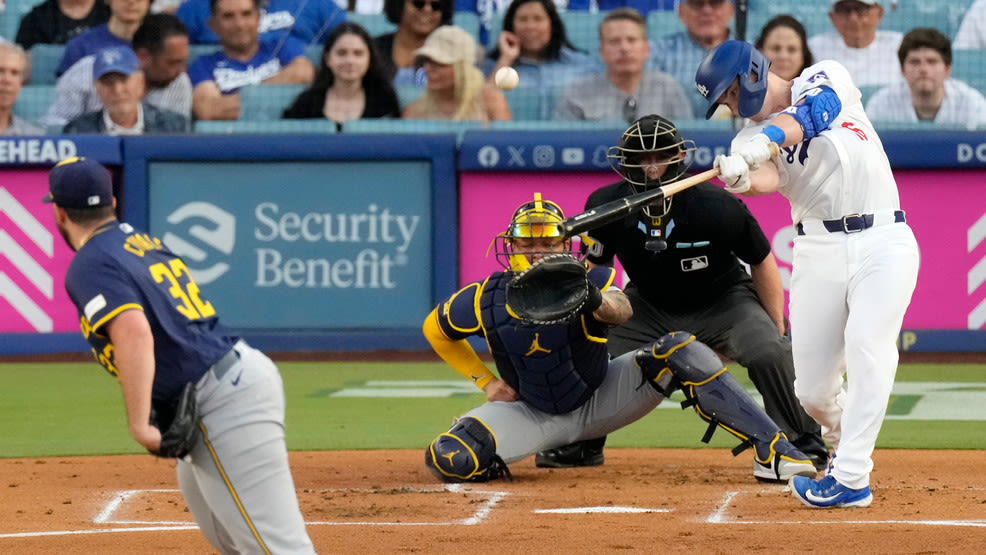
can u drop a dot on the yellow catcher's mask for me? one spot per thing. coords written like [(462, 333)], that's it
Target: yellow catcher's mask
[(536, 219)]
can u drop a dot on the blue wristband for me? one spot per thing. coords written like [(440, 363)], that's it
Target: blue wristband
[(775, 134)]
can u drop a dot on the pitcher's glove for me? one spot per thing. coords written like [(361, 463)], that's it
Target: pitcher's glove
[(183, 431), (554, 289)]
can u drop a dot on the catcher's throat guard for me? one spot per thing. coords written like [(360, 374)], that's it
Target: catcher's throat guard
[(717, 396)]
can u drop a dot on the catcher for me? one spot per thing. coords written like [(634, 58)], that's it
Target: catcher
[(546, 319)]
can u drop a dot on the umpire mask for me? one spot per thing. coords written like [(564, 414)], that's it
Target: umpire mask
[(649, 143)]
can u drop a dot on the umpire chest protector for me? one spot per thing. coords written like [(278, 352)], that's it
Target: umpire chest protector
[(555, 368)]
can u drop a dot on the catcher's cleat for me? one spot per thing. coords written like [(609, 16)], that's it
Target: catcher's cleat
[(781, 469), (580, 453), (828, 493)]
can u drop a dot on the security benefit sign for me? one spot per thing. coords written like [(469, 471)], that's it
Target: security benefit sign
[(307, 245)]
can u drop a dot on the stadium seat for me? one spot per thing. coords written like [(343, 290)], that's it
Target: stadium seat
[(44, 61), (376, 24), (257, 127), (267, 102), (661, 23), (968, 66), (525, 104), (408, 94), (583, 29), (616, 126), (196, 50), (813, 15), (314, 52), (33, 101), (468, 21), (11, 16), (410, 126)]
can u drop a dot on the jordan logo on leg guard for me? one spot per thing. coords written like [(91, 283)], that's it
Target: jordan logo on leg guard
[(450, 455), (536, 347)]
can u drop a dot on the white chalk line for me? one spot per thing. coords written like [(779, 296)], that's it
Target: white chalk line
[(104, 516), (719, 516), (604, 510)]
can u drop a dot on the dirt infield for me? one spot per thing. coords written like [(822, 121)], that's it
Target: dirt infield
[(668, 500)]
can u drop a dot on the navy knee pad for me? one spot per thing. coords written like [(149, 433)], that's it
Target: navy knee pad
[(465, 453)]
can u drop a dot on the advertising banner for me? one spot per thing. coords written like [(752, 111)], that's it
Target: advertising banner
[(346, 247), (946, 209)]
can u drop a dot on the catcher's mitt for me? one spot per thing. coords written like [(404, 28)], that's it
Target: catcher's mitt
[(554, 289), (183, 432)]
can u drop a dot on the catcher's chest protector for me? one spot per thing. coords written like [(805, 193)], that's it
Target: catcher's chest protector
[(554, 368)]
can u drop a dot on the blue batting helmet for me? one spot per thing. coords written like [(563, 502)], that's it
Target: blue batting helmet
[(729, 60)]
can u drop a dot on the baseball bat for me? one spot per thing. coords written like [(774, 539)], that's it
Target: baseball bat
[(620, 208)]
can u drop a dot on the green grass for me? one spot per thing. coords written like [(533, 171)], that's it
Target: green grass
[(55, 409)]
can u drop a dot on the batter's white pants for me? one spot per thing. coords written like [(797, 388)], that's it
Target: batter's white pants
[(849, 293)]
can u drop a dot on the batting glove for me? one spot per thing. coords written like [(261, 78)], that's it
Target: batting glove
[(756, 151), (734, 172)]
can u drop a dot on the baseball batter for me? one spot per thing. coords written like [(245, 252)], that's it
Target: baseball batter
[(683, 257), (855, 259), (556, 383), (153, 330)]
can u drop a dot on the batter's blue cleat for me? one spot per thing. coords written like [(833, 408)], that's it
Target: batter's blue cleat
[(828, 493)]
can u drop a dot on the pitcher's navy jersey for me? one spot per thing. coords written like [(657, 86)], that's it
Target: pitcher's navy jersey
[(121, 269)]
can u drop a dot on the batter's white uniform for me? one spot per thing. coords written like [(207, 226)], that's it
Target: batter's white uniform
[(849, 291)]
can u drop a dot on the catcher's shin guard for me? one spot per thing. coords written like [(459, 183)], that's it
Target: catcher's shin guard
[(465, 453), (718, 399)]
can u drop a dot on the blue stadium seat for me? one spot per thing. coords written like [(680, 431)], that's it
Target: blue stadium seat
[(44, 61), (408, 94), (375, 23), (469, 21), (10, 18), (33, 101), (409, 126), (813, 15), (256, 127), (618, 127), (661, 23), (968, 66), (583, 29), (267, 102), (196, 50), (525, 104), (314, 54)]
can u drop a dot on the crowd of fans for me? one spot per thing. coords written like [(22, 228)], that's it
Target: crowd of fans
[(126, 68)]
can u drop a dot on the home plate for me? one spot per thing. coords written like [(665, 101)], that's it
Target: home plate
[(586, 510)]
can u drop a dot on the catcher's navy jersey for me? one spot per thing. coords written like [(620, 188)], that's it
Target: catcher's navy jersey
[(554, 368), (121, 269), (706, 229)]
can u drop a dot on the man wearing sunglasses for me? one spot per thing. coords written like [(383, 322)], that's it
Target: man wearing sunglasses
[(870, 55)]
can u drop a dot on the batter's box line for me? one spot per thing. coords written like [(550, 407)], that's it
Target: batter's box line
[(719, 516), (483, 510)]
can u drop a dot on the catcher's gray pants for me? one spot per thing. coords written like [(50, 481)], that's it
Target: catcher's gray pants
[(736, 326), (521, 430), (237, 482)]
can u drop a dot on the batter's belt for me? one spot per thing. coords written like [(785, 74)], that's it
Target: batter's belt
[(853, 223)]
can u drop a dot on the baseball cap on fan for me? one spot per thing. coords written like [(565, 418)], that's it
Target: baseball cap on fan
[(79, 183), (117, 59), (447, 45)]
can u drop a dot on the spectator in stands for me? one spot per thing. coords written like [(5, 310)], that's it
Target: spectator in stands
[(625, 90), (12, 64), (308, 21), (972, 31), (243, 60), (678, 54), (928, 93), (456, 89), (534, 42), (350, 83), (58, 21), (125, 17), (161, 45), (120, 85), (415, 20), (867, 53), (784, 41)]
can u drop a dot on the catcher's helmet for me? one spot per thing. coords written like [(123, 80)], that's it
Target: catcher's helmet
[(533, 219), (730, 60), (655, 135)]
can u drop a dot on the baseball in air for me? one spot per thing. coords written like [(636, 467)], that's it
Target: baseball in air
[(506, 78)]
